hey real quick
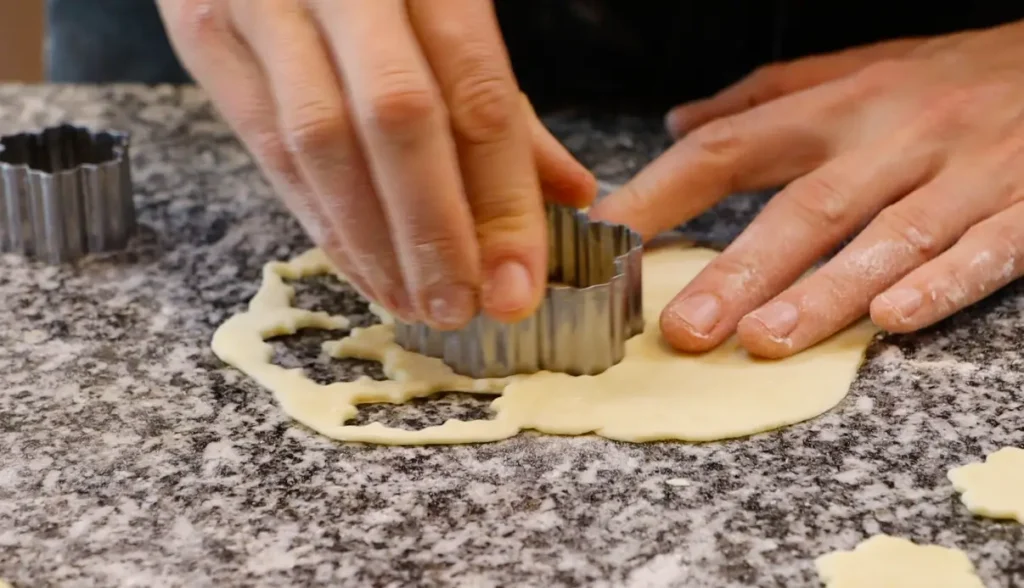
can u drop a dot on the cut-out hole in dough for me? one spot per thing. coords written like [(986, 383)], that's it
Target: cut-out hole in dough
[(431, 411), (328, 294), (654, 393), (304, 351)]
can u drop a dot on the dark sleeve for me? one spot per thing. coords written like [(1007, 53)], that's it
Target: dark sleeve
[(102, 41)]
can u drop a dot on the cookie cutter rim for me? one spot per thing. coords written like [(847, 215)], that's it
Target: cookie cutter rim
[(580, 328), (65, 192)]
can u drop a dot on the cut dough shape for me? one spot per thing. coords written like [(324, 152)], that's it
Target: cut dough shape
[(654, 393), (891, 562), (995, 488)]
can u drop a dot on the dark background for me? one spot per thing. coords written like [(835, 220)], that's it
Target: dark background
[(622, 55)]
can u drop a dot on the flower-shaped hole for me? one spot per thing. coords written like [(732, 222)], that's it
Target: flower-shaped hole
[(304, 350)]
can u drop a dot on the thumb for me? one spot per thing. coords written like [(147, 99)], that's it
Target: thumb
[(780, 79)]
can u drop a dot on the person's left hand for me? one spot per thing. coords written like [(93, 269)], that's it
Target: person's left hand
[(921, 140)]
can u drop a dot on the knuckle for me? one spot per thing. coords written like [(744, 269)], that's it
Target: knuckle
[(198, 22), (999, 236), (433, 251), (766, 83), (738, 274), (483, 105), (834, 287), (500, 221), (314, 131), (400, 103), (821, 200), (881, 75), (910, 226), (719, 137), (274, 157), (948, 112), (383, 277), (954, 286)]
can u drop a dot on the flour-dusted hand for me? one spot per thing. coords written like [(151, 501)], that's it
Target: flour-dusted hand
[(920, 143), (396, 133)]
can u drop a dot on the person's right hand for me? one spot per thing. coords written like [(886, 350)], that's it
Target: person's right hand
[(395, 132)]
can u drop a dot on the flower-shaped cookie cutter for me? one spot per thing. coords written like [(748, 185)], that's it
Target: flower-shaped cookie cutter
[(65, 192), (593, 304)]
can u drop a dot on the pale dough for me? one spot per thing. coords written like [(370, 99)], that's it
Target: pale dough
[(995, 488), (891, 562), (654, 393)]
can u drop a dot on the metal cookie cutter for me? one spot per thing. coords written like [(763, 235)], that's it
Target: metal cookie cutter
[(65, 192), (592, 306)]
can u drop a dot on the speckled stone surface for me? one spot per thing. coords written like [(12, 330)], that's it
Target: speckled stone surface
[(132, 457)]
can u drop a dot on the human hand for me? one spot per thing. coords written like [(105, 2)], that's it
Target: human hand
[(395, 132), (918, 142)]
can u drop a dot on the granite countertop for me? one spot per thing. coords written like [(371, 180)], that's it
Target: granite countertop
[(132, 457)]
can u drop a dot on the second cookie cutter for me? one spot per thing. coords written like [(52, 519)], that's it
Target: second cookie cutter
[(593, 304), (65, 192)]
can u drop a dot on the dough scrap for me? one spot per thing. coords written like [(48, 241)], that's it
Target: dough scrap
[(995, 488), (655, 393), (891, 562)]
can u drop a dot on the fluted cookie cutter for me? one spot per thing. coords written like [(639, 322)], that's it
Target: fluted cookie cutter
[(593, 304), (65, 192)]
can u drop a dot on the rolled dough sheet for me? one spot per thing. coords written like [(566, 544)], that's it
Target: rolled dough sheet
[(654, 393), (891, 562), (995, 488)]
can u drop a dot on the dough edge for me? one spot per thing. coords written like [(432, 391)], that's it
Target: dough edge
[(986, 489), (861, 567), (241, 342)]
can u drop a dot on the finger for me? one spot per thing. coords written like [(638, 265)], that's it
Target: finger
[(989, 256), (798, 226), (761, 148), (901, 238), (403, 127), (491, 130), (563, 179), (230, 74), (780, 79), (313, 119)]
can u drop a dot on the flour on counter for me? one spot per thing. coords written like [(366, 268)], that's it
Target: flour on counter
[(995, 488), (655, 393)]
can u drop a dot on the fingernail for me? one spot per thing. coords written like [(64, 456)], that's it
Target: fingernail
[(904, 301), (699, 313), (451, 306), (779, 318), (509, 288)]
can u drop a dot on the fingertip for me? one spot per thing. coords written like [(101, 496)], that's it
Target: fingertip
[(575, 187), (511, 290), (759, 341), (610, 209), (675, 122), (588, 187), (887, 316), (681, 334), (447, 306), (684, 118)]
